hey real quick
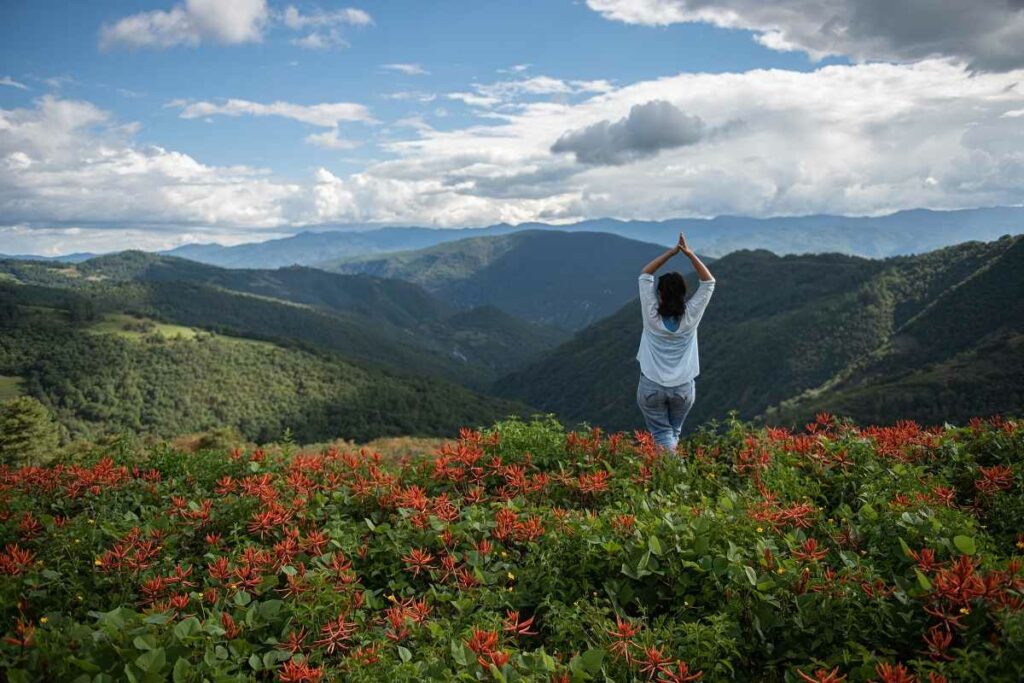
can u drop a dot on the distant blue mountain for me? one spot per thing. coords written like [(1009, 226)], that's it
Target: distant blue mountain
[(65, 258), (901, 233)]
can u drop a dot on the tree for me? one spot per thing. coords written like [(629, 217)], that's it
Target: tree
[(28, 434)]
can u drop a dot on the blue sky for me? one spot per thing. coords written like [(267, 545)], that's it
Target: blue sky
[(152, 124)]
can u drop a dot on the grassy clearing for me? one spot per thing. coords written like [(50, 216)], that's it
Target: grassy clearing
[(10, 387), (136, 329)]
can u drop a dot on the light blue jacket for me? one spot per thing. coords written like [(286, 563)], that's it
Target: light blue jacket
[(670, 357)]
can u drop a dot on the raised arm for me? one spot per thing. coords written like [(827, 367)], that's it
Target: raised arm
[(652, 267), (702, 271)]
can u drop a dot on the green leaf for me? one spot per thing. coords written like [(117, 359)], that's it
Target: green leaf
[(270, 609), (869, 513), (591, 660), (187, 627), (905, 548), (922, 580), (654, 545), (751, 575), (404, 654), (152, 662), (965, 544), (458, 653), (255, 662), (182, 670), (242, 598), (146, 642)]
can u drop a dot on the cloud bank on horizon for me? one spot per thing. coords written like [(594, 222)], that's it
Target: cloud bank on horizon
[(913, 109)]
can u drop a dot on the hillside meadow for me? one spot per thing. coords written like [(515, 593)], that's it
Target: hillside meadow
[(522, 552)]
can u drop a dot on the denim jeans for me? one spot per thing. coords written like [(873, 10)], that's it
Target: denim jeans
[(665, 409)]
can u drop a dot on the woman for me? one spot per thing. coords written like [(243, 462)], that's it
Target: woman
[(668, 345)]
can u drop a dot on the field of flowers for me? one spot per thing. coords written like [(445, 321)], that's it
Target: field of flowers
[(524, 553)]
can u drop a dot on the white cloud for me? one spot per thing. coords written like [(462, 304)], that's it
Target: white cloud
[(194, 21), (407, 69), (410, 96), (488, 95), (861, 139), (326, 33), (985, 34), (330, 140), (321, 40), (68, 162), (229, 23), (10, 82), (857, 139), (326, 115), (294, 19)]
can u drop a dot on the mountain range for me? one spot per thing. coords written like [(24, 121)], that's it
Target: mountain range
[(934, 337), (904, 232), (531, 320)]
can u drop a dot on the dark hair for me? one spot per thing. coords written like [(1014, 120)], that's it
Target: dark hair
[(671, 295)]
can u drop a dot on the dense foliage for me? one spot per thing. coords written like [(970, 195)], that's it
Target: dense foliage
[(525, 553), (391, 323), (98, 383), (565, 279), (929, 337)]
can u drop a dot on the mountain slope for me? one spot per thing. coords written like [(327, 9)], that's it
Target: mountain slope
[(563, 279), (97, 380), (780, 326), (900, 233), (307, 248), (389, 322), (962, 349)]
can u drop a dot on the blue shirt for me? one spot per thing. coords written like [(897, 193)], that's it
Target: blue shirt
[(669, 356)]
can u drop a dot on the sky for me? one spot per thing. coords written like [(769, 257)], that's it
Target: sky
[(154, 124)]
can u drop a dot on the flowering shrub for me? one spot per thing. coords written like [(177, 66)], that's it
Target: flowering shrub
[(522, 553)]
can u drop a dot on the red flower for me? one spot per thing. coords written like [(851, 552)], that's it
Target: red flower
[(483, 644), (295, 642), (24, 635), (418, 561), (823, 676), (594, 483), (231, 629), (994, 479), (336, 634), (513, 625), (679, 674), (938, 640), (652, 661), (299, 672), (894, 673), (809, 551), (15, 559), (623, 637)]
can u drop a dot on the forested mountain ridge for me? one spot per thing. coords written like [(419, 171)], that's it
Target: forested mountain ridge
[(100, 378), (964, 348), (900, 233), (780, 326), (385, 321), (568, 280)]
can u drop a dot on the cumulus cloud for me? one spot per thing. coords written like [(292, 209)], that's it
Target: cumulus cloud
[(648, 129), (844, 139), (228, 23), (326, 115), (984, 34), (407, 69), (487, 95), (324, 26), (194, 21), (10, 82), (69, 162), (331, 140)]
